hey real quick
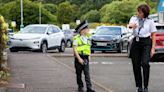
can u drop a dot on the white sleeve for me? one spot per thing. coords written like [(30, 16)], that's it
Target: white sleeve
[(152, 27), (133, 19), (75, 43)]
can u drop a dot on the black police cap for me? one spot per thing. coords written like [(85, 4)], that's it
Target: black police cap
[(82, 26)]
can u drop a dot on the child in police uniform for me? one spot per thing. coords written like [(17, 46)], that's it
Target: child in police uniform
[(81, 49)]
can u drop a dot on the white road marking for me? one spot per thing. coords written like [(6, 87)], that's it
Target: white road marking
[(157, 63), (112, 63), (105, 63), (93, 62)]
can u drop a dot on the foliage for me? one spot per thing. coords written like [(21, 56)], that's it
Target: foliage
[(66, 13), (113, 14), (92, 16), (51, 7), (12, 12)]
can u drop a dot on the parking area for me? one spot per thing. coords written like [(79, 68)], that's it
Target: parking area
[(115, 73)]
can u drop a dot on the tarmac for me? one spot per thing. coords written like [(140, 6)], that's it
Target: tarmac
[(42, 73)]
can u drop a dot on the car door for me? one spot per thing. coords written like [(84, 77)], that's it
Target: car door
[(51, 37), (124, 37), (57, 35)]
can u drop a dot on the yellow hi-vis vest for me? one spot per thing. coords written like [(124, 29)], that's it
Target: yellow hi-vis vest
[(83, 48)]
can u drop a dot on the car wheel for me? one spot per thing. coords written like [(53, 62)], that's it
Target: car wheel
[(120, 48), (44, 48), (92, 51), (62, 47), (103, 51), (13, 50), (69, 44)]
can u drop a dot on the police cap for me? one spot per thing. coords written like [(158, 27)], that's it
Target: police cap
[(82, 26)]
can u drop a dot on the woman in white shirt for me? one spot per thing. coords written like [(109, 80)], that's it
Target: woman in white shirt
[(142, 46)]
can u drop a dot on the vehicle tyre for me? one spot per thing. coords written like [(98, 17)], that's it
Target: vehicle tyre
[(44, 47), (92, 51), (120, 48), (13, 50), (62, 47), (103, 51), (69, 44)]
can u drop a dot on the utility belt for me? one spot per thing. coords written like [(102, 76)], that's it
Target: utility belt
[(140, 39), (85, 58)]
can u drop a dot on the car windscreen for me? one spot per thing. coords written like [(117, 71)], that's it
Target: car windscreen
[(160, 28), (34, 30), (109, 31)]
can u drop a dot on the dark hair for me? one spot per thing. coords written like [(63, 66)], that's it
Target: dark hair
[(145, 9)]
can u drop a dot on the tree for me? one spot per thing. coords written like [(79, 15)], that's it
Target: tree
[(31, 13), (92, 16), (112, 13), (51, 7), (67, 13)]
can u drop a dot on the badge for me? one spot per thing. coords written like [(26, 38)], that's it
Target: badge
[(137, 39)]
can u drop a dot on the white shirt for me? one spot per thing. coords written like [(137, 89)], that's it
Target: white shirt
[(148, 27), (83, 38)]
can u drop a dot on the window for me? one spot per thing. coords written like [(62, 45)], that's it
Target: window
[(55, 30)]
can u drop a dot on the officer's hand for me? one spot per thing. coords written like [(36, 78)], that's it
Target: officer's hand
[(133, 25), (152, 52), (81, 61)]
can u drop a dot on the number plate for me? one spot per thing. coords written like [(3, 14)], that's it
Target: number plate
[(101, 44)]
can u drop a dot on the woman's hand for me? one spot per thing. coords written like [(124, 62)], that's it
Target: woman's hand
[(133, 25), (152, 51)]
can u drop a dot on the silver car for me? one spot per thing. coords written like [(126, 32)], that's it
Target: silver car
[(38, 37)]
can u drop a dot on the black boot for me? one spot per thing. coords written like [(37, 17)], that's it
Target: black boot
[(146, 90), (90, 90), (80, 89), (139, 89)]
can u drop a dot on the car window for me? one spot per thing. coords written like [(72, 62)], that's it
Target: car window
[(109, 31), (55, 30), (50, 30), (125, 30), (160, 28), (34, 30)]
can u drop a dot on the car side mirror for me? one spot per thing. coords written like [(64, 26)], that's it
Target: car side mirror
[(123, 33), (49, 32)]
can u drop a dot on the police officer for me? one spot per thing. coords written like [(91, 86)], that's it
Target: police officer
[(142, 46), (81, 49)]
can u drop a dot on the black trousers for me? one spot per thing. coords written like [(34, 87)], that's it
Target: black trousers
[(140, 56), (85, 68)]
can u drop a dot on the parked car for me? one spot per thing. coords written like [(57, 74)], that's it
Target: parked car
[(38, 37), (159, 47), (68, 37), (109, 38), (10, 32)]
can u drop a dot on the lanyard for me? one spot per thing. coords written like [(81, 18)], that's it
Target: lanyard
[(141, 25)]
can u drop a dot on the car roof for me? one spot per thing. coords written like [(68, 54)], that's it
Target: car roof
[(109, 26), (159, 24), (43, 25)]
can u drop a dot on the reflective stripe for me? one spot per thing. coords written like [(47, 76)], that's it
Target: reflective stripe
[(82, 48)]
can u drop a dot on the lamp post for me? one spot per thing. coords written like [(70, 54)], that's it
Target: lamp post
[(21, 26), (40, 11)]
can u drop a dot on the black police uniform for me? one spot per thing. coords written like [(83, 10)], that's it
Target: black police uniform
[(141, 49)]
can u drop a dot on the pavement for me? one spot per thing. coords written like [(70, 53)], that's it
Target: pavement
[(41, 73)]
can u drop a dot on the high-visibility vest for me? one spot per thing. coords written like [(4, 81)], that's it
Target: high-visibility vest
[(83, 48)]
